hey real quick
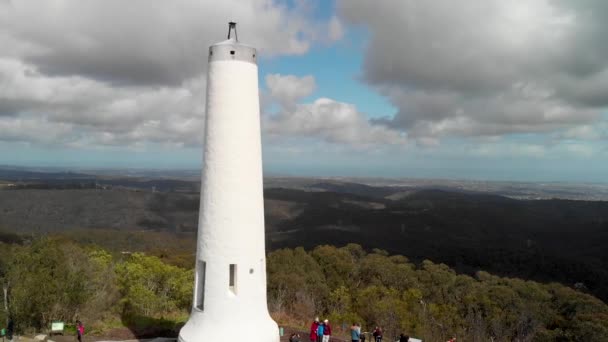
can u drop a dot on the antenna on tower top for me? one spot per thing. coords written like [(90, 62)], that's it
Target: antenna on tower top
[(232, 25)]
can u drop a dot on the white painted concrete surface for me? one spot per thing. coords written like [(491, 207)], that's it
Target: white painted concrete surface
[(231, 221)]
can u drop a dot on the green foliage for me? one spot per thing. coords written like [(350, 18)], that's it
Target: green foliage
[(430, 301), (150, 287), (47, 281), (56, 279), (294, 276)]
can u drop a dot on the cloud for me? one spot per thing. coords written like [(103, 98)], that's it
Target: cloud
[(287, 89), (135, 42), (109, 72), (92, 111), (326, 119), (441, 113), (485, 67), (335, 29), (585, 132), (509, 150), (33, 131)]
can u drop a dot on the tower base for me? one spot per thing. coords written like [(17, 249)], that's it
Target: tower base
[(226, 327)]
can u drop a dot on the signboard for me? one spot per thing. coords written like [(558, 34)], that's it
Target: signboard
[(57, 326)]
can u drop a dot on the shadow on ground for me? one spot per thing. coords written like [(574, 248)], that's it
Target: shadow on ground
[(142, 327)]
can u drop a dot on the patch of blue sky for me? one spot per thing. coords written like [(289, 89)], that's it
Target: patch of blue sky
[(321, 9), (336, 70)]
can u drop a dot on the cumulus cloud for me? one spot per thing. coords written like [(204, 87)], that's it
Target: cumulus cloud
[(485, 67), (72, 108), (33, 130), (329, 120), (110, 72), (585, 132), (288, 89), (335, 29), (136, 42), (443, 113)]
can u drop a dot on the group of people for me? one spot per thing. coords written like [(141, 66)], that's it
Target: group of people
[(357, 336), (320, 331)]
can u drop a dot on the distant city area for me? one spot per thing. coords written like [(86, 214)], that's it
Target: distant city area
[(189, 180)]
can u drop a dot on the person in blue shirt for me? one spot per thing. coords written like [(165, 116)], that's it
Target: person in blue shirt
[(320, 330), (355, 332)]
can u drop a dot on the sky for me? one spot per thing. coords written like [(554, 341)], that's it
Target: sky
[(477, 89)]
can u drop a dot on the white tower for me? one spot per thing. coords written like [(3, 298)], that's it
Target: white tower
[(230, 280)]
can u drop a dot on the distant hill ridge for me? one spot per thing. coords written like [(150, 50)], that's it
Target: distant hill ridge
[(546, 240)]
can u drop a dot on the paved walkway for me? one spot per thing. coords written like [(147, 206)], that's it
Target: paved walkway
[(304, 336)]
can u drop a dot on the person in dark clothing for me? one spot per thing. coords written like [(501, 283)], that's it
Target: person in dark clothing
[(326, 331), (294, 338), (377, 334), (10, 329), (404, 338)]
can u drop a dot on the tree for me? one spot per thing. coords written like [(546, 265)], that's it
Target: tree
[(152, 288), (47, 283)]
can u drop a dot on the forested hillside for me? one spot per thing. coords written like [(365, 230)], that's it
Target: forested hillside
[(548, 240), (60, 279), (427, 300), (542, 240)]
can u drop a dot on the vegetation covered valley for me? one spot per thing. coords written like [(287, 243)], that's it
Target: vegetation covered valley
[(543, 240), (60, 279), (428, 262)]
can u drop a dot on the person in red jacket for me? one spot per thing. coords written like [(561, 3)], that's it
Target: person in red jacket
[(79, 330), (326, 331), (313, 330)]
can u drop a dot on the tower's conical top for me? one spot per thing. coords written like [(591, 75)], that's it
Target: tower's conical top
[(232, 49)]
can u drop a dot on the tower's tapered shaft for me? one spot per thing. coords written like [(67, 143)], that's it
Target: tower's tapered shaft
[(230, 281)]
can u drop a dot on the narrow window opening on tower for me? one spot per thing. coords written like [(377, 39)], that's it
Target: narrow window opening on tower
[(232, 52), (200, 285), (232, 281)]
